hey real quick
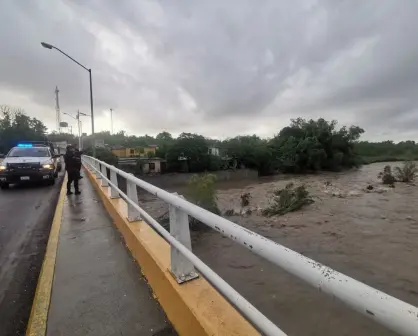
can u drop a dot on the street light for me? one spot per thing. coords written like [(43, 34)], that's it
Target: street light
[(50, 46)]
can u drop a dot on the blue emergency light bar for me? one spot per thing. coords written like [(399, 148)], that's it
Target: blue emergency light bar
[(24, 145)]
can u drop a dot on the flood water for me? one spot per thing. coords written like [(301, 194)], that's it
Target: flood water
[(370, 236)]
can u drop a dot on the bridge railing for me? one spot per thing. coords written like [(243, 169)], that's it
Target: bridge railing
[(386, 310)]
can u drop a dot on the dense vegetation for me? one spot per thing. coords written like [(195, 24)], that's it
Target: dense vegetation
[(16, 126), (387, 151), (103, 154), (303, 146)]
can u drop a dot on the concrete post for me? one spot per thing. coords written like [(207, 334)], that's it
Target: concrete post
[(182, 269), (97, 166), (133, 214), (114, 180), (104, 173)]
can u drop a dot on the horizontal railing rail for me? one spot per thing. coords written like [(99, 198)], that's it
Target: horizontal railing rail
[(386, 310)]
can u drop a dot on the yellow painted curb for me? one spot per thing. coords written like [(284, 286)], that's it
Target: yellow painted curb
[(40, 306), (194, 308)]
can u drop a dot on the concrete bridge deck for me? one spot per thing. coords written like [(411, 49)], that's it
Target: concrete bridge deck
[(97, 287)]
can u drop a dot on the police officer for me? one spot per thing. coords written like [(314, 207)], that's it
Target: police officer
[(72, 164)]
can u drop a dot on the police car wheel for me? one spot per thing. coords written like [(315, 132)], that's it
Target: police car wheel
[(4, 186)]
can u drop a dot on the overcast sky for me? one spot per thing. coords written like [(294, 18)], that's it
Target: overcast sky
[(219, 68)]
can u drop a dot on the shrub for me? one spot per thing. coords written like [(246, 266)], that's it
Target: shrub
[(201, 191), (245, 199), (288, 199), (386, 176), (407, 172)]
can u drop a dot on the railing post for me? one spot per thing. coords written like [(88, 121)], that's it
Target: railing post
[(114, 179), (182, 269), (97, 166), (84, 161), (133, 214), (89, 164), (104, 173)]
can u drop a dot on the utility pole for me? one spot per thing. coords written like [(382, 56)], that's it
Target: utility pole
[(57, 109), (79, 129), (111, 121)]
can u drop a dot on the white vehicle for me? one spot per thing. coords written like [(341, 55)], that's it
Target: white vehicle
[(29, 162)]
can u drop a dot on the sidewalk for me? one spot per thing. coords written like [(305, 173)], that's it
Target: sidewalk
[(98, 288)]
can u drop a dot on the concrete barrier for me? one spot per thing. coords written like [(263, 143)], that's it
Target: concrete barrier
[(194, 308)]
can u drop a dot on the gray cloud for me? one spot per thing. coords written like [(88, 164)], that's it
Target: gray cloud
[(218, 67)]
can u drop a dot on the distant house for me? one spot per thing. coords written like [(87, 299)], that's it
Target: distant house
[(149, 149), (214, 151), (143, 151), (154, 165), (119, 151)]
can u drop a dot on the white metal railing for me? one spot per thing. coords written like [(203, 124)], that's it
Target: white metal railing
[(386, 310)]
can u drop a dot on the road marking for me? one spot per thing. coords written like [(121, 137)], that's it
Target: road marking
[(38, 318)]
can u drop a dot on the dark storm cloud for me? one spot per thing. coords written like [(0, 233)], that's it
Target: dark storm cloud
[(193, 64), (24, 64)]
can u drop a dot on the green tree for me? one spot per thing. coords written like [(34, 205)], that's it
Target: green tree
[(251, 152), (16, 126), (164, 141), (194, 148), (315, 145)]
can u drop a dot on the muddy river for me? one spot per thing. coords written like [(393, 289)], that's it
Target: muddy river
[(371, 236)]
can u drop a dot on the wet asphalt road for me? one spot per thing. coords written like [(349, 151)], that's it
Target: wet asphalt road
[(26, 214)]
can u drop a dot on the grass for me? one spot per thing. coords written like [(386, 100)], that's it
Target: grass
[(407, 172)]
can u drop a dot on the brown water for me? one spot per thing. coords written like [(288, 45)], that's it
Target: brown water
[(370, 236)]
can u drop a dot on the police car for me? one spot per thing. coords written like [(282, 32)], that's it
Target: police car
[(29, 161)]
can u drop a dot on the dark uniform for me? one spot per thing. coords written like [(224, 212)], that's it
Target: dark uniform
[(72, 166), (78, 156)]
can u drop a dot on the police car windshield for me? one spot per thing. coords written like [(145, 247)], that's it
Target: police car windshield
[(29, 152)]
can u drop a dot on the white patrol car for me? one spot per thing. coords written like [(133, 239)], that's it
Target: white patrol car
[(29, 162)]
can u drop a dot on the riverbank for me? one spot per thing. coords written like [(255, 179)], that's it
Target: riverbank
[(377, 159)]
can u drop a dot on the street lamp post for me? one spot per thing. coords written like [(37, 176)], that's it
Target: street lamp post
[(50, 46)]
